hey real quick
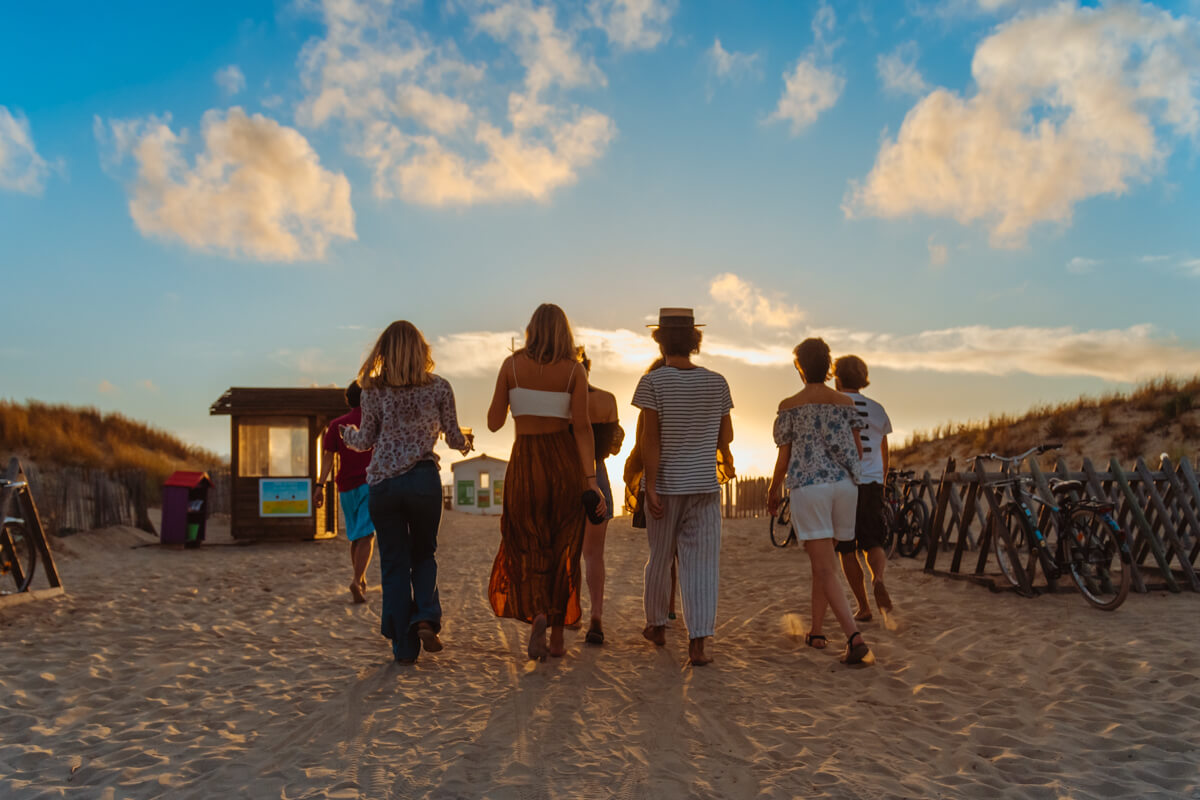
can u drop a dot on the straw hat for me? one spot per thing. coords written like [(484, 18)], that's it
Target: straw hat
[(676, 318)]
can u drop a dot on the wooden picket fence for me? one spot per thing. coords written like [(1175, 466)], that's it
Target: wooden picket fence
[(744, 497), (74, 499), (1158, 509)]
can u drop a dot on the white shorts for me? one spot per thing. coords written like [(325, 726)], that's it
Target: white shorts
[(824, 510)]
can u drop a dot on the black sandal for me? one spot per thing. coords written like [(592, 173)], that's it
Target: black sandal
[(855, 653), (594, 635), (809, 638)]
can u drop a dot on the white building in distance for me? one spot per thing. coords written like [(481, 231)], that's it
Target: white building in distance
[(478, 485)]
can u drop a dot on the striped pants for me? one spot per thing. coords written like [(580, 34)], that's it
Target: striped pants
[(690, 527)]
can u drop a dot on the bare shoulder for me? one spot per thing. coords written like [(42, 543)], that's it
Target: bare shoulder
[(841, 399), (789, 402), (606, 405)]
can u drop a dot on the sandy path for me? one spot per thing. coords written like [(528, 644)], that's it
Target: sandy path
[(244, 672)]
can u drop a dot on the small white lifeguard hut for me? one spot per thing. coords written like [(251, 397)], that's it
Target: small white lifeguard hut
[(479, 485)]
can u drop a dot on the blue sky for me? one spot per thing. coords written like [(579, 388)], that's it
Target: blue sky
[(992, 201)]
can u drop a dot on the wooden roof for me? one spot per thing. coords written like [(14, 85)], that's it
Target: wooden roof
[(329, 401), (187, 480)]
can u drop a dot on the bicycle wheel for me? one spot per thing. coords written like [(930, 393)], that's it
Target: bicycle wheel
[(1091, 553), (17, 558), (910, 530), (781, 525), (1014, 522)]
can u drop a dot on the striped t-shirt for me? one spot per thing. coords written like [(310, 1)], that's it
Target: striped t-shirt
[(690, 404), (878, 426)]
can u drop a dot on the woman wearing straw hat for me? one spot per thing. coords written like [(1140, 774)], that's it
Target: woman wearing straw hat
[(686, 420)]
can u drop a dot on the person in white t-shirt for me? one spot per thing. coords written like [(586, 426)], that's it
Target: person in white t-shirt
[(686, 421), (850, 375)]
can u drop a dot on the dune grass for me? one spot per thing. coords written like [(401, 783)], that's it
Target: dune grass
[(66, 436), (1128, 424)]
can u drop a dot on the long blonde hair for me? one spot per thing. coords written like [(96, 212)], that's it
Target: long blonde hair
[(548, 337), (401, 357)]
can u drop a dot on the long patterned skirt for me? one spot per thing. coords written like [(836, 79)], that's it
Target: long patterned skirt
[(541, 531)]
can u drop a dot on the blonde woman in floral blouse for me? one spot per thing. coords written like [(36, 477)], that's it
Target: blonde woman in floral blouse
[(816, 431), (405, 407)]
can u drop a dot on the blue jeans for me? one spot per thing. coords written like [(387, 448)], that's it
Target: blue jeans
[(407, 510)]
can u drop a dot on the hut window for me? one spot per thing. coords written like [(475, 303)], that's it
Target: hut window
[(273, 447), (484, 481)]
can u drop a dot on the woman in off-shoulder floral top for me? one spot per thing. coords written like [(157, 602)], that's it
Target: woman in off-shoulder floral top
[(819, 450), (405, 407)]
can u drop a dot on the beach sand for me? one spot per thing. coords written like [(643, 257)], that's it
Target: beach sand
[(244, 671)]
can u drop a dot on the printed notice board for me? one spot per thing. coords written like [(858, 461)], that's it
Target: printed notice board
[(466, 493), (284, 497)]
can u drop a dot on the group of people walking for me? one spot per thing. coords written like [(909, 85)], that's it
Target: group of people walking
[(558, 497)]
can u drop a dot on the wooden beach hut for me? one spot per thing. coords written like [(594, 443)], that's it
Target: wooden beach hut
[(275, 451), (479, 485)]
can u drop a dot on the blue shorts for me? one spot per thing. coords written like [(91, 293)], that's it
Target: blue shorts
[(354, 511)]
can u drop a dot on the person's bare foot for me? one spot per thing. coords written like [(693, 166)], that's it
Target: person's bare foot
[(356, 591), (557, 648), (656, 634), (863, 614), (882, 598), (536, 649), (696, 655)]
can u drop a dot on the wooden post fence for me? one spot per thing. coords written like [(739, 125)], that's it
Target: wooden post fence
[(19, 499), (1158, 509)]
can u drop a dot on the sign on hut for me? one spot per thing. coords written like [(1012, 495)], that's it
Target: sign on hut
[(275, 454), (479, 485)]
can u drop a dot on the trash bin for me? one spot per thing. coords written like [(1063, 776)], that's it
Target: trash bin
[(184, 508)]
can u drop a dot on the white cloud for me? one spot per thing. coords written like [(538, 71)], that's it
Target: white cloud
[(230, 79), (811, 87), (633, 24), (938, 253), (729, 65), (256, 189), (751, 305), (1152, 259), (808, 91), (898, 70), (149, 386), (1118, 354), (106, 387), (1191, 266), (425, 119), (21, 168), (1081, 266), (1066, 108)]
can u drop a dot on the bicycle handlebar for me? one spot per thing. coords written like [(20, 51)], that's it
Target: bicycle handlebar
[(1039, 449)]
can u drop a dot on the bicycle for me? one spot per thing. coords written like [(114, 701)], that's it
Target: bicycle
[(18, 555), (1091, 548), (904, 515), (782, 532)]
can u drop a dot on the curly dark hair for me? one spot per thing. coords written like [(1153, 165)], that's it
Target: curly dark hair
[(812, 356)]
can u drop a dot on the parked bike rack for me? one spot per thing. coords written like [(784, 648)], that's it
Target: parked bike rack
[(1159, 511), (33, 527)]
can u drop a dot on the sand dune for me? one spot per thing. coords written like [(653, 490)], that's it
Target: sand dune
[(244, 672)]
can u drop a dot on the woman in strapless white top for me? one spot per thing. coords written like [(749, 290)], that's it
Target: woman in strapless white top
[(535, 577)]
